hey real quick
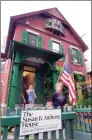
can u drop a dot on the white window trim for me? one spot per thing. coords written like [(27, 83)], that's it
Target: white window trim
[(78, 72), (73, 47), (33, 32), (57, 41), (52, 46)]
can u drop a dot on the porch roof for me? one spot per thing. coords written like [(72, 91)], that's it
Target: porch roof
[(35, 51)]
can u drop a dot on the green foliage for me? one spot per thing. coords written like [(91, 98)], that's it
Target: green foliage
[(48, 83), (86, 101), (83, 98), (59, 70), (79, 78)]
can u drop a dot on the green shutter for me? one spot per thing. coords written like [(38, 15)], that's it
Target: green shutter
[(24, 37), (50, 44), (80, 58), (71, 54), (61, 50), (40, 44)]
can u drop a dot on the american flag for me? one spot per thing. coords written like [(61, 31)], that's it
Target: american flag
[(66, 78)]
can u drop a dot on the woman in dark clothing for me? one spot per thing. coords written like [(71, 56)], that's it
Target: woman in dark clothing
[(58, 97)]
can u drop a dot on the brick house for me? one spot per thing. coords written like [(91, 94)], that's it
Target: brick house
[(36, 42)]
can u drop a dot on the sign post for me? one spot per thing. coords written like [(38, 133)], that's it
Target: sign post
[(37, 121)]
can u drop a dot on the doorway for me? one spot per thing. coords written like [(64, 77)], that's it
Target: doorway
[(28, 79)]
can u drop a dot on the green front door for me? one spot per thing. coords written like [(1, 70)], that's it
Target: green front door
[(39, 87)]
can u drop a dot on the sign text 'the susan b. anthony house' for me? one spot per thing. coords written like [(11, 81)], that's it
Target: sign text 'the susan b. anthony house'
[(37, 121)]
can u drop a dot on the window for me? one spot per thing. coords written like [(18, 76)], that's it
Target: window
[(76, 56), (2, 66), (49, 22), (62, 28), (56, 24), (56, 47), (32, 39)]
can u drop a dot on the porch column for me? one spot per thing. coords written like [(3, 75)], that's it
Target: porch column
[(14, 86), (54, 74), (14, 82)]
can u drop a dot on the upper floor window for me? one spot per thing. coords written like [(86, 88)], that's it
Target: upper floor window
[(62, 28), (2, 66), (48, 22), (56, 25), (76, 56), (56, 47), (32, 39)]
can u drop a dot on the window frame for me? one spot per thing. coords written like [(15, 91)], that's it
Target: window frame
[(54, 24), (75, 63), (59, 42), (36, 36), (24, 37), (62, 28), (74, 55), (56, 43), (34, 33), (51, 22)]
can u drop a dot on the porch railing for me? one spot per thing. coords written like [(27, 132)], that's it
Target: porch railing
[(14, 120), (84, 119), (84, 122)]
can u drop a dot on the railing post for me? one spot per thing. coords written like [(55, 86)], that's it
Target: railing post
[(17, 128)]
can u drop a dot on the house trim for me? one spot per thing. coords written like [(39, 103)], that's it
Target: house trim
[(56, 40), (74, 47), (78, 72), (31, 31)]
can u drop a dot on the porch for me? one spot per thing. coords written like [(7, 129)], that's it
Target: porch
[(24, 55)]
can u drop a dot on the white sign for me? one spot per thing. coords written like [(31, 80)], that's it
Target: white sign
[(36, 121)]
